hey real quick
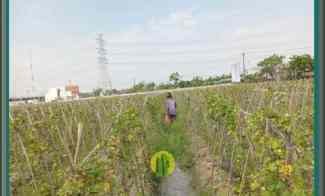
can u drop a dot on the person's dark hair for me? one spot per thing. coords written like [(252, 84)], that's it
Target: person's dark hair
[(169, 95)]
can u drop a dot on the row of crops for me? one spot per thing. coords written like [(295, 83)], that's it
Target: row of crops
[(259, 135)]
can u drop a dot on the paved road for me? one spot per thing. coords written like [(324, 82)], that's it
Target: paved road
[(156, 92)]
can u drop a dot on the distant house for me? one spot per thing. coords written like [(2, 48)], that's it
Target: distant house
[(74, 89), (58, 93), (68, 92), (235, 73)]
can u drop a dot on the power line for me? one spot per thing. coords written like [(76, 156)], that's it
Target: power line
[(200, 62), (186, 60), (207, 39), (272, 51), (212, 51)]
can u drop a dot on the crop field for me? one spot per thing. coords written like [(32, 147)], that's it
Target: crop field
[(240, 139)]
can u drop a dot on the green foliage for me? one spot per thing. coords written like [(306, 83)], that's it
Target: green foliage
[(260, 135), (271, 149), (103, 155), (139, 87), (150, 86), (97, 92), (271, 68), (174, 77), (268, 66), (164, 137), (197, 81), (175, 82), (299, 65), (222, 110), (254, 77)]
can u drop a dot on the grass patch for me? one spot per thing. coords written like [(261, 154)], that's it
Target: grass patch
[(171, 138)]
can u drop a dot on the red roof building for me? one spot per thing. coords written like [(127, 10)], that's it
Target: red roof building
[(74, 89)]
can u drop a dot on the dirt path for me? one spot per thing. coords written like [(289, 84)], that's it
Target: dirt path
[(204, 174), (178, 184)]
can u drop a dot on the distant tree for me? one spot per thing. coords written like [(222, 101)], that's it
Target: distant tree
[(197, 81), (184, 84), (115, 91), (253, 77), (139, 87), (150, 86), (165, 86), (299, 65), (106, 92), (268, 66), (211, 80), (86, 94), (97, 92), (174, 77), (225, 76)]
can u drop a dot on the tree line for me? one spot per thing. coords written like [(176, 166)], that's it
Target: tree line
[(271, 68), (274, 68)]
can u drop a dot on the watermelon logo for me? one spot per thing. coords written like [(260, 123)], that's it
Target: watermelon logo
[(162, 164)]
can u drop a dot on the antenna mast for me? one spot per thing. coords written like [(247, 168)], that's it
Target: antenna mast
[(105, 81)]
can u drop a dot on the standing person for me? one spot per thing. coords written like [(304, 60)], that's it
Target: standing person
[(170, 108)]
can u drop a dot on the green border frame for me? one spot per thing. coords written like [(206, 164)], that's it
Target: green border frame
[(1, 49), (318, 111), (318, 172), (316, 101), (5, 189)]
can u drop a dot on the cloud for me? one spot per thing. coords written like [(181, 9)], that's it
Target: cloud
[(173, 27), (181, 19)]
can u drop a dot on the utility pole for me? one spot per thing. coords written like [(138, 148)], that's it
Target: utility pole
[(244, 66), (134, 82)]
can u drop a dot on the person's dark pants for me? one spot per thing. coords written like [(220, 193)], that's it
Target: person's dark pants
[(172, 117)]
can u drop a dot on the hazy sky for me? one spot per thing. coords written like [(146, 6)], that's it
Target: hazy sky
[(147, 40)]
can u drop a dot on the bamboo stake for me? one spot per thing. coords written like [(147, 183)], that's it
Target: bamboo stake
[(78, 143), (66, 148), (243, 174), (29, 165)]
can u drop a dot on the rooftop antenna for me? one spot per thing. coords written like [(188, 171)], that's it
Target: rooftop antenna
[(104, 78)]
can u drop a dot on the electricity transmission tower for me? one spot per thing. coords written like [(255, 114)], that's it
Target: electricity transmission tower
[(32, 90), (104, 78)]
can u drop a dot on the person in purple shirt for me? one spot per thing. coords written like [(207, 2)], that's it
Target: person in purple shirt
[(170, 105)]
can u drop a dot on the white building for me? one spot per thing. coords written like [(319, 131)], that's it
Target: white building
[(235, 73), (57, 94)]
